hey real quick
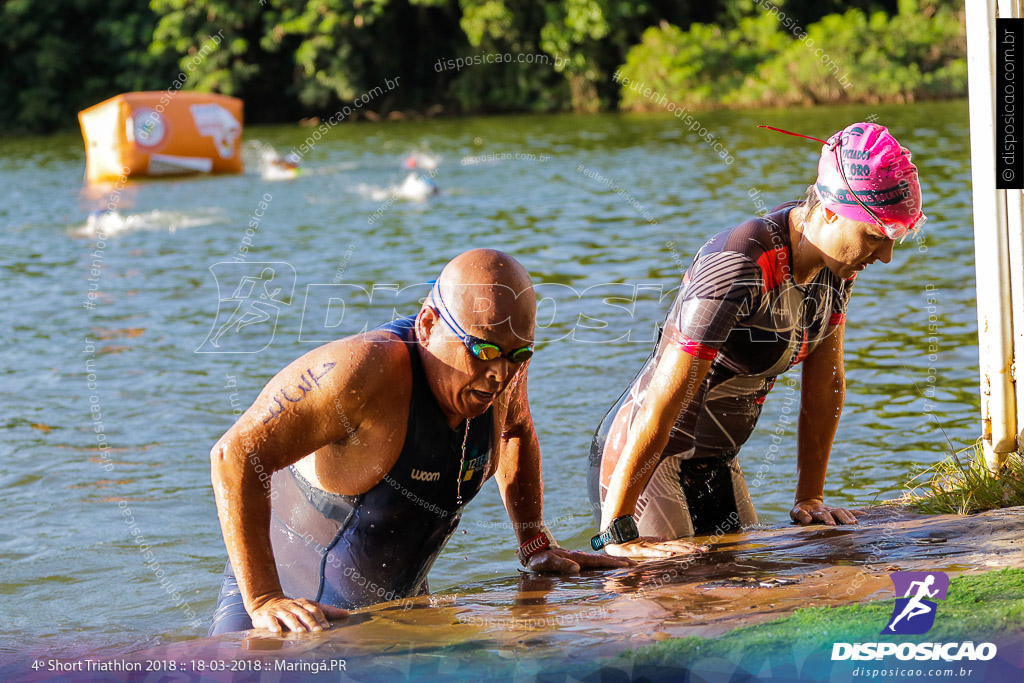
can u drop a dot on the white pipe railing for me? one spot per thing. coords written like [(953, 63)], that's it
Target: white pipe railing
[(991, 239), (1015, 253)]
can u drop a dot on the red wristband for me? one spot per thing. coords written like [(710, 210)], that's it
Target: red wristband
[(539, 543)]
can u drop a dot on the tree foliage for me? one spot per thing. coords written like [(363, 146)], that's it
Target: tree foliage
[(769, 60), (60, 57), (293, 58)]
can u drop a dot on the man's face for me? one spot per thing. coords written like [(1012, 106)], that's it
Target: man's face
[(466, 385)]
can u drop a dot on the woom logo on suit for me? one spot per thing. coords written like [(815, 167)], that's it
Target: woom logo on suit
[(422, 475)]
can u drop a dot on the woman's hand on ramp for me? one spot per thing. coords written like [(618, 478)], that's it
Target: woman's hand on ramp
[(294, 615), (815, 511), (561, 561), (648, 547)]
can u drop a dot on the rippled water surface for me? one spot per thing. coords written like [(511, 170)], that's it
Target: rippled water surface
[(71, 576)]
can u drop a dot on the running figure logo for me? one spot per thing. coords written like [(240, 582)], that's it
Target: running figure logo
[(250, 296), (914, 613)]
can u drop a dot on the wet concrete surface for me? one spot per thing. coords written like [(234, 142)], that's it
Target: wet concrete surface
[(746, 578)]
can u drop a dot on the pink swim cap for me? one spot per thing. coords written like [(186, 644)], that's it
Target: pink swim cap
[(866, 176)]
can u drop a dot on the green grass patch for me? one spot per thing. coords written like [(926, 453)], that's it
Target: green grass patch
[(964, 485), (977, 606)]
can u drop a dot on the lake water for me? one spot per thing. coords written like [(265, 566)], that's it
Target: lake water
[(72, 579)]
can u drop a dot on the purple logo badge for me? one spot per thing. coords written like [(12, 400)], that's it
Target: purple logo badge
[(914, 613)]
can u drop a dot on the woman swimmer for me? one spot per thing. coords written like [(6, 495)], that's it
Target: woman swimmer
[(757, 300)]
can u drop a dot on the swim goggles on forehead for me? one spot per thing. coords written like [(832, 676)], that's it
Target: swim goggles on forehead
[(480, 348), (894, 230)]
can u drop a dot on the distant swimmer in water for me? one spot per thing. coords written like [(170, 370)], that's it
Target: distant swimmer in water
[(101, 219), (756, 301), (276, 167), (418, 187), (423, 160), (342, 483)]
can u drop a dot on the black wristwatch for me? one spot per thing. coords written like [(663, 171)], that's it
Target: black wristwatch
[(621, 530)]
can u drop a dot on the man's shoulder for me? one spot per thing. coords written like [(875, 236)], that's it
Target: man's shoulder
[(376, 355)]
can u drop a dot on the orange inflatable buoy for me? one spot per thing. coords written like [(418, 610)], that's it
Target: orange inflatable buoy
[(162, 133)]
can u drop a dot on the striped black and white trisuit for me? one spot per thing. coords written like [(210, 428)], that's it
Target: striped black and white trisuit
[(738, 307)]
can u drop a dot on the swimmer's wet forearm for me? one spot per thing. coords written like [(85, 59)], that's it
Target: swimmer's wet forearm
[(523, 496), (822, 395), (676, 380), (242, 463), (518, 474), (244, 513), (647, 438)]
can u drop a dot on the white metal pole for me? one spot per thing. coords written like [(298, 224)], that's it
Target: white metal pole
[(991, 243), (1015, 246), (1015, 234)]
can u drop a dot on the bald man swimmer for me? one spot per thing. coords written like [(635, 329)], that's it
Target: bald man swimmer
[(340, 485)]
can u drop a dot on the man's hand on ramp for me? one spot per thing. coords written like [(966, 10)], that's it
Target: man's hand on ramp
[(561, 561), (294, 615)]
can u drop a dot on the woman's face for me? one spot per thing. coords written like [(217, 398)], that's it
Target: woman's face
[(849, 246)]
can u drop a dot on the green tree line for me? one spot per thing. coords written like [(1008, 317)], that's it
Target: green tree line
[(289, 59)]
